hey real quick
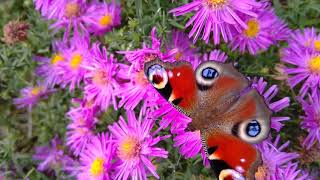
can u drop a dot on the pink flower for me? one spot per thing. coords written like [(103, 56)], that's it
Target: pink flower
[(219, 17), (136, 147), (274, 159), (96, 159), (80, 130), (52, 157), (100, 84), (181, 45), (77, 55), (31, 96), (311, 120), (102, 17), (49, 67)]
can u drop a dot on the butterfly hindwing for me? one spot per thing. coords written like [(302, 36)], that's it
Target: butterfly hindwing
[(230, 157)]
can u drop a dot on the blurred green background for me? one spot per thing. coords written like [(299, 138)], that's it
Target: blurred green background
[(138, 17)]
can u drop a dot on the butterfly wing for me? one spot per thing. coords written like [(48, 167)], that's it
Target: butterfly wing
[(229, 140), (175, 82), (212, 86), (230, 115)]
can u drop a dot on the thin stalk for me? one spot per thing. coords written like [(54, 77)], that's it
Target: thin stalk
[(30, 121)]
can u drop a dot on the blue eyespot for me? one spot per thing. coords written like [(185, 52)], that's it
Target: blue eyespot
[(253, 128), (209, 73)]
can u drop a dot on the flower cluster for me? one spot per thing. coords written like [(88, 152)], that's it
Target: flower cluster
[(80, 16), (302, 58), (129, 147), (248, 25)]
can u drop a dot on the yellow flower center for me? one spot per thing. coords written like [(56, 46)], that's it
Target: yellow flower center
[(97, 167), (105, 20), (216, 3), (100, 78), (317, 45), (129, 148), (72, 9), (141, 79), (75, 61), (36, 90), (314, 64), (253, 28), (178, 55), (56, 59)]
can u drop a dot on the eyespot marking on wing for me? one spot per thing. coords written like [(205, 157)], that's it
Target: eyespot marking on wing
[(253, 129), (206, 73), (157, 75)]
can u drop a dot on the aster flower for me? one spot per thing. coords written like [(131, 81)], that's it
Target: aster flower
[(80, 130), (84, 107), (102, 17), (136, 147), (52, 157), (303, 67), (311, 120), (275, 160), (306, 39), (180, 42), (138, 89), (49, 67), (219, 17), (100, 83), (170, 116), (260, 34), (147, 53), (276, 106), (77, 55), (31, 96), (68, 15), (96, 159)]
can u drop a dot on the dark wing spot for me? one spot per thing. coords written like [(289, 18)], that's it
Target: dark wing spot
[(211, 150), (253, 128), (177, 101), (157, 79)]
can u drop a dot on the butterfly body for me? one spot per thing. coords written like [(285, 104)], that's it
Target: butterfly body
[(230, 115)]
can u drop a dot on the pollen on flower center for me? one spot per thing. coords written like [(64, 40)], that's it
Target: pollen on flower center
[(36, 91), (56, 59), (178, 55), (216, 3), (75, 61), (97, 167), (72, 10), (105, 20), (129, 148), (314, 64), (317, 45), (253, 28), (100, 77)]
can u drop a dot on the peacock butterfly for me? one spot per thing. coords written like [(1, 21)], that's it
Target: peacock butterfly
[(230, 115)]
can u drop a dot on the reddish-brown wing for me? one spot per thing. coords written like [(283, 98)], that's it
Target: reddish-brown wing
[(229, 140)]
